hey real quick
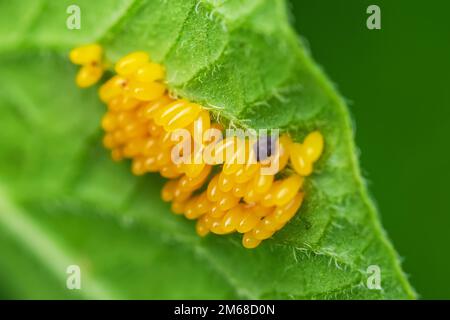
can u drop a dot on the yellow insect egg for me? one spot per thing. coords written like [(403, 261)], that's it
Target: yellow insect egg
[(138, 166), (154, 129), (270, 222), (262, 183), (181, 195), (227, 201), (170, 171), (230, 168), (234, 155), (250, 167), (249, 241), (167, 112), (261, 211), (200, 125), (215, 211), (283, 153), (86, 54), (88, 75), (313, 146), (177, 207), (162, 158), (183, 118), (149, 72), (112, 88), (146, 91), (287, 189), (167, 192), (150, 164), (134, 147), (284, 213), (191, 211), (220, 148), (247, 222), (207, 220), (115, 104), (251, 196), (131, 62), (123, 103), (226, 182), (119, 137), (298, 160), (166, 141), (109, 122), (217, 227), (239, 189), (117, 154), (134, 130), (201, 228), (261, 233), (203, 205), (124, 118), (193, 169), (246, 173), (188, 183), (151, 109), (268, 200), (150, 147), (136, 134), (232, 218), (108, 141)]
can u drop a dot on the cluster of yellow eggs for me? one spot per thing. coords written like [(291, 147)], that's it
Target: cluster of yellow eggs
[(223, 195), (90, 59)]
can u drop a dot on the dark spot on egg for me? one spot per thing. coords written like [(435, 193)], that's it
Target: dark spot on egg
[(264, 147)]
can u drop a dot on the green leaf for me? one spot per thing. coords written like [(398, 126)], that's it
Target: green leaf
[(64, 202)]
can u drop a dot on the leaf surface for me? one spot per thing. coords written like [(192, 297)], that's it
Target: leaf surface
[(63, 201)]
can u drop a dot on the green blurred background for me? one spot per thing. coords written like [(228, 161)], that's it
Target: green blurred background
[(396, 81)]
